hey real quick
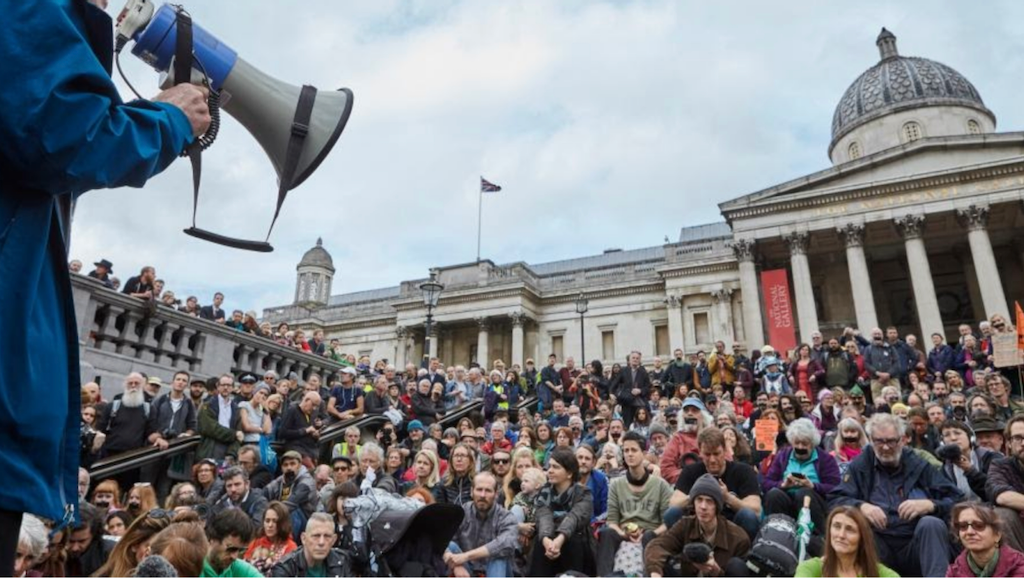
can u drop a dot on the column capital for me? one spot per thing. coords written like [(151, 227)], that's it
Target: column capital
[(673, 301), (910, 226), (483, 323), (519, 318), (973, 218), (401, 332), (852, 234), (744, 249), (722, 295), (798, 242)]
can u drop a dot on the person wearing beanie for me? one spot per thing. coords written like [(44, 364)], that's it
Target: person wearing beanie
[(155, 566), (728, 542)]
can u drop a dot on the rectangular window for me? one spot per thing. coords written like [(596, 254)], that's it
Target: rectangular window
[(608, 345), (661, 345), (556, 347), (701, 328)]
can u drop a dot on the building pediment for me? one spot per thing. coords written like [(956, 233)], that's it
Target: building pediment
[(923, 164)]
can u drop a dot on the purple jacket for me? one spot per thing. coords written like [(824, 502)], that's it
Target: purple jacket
[(825, 465), (1011, 564)]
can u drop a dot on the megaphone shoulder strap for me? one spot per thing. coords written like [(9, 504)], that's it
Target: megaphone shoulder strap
[(183, 63)]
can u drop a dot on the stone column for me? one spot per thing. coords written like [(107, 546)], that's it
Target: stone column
[(518, 341), (675, 322), (911, 228), (753, 325), (434, 336), (860, 279), (722, 298), (401, 334), (482, 355), (975, 219), (963, 255), (803, 290)]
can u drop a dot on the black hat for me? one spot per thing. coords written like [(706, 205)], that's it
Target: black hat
[(105, 263), (248, 377), (987, 424), (345, 459)]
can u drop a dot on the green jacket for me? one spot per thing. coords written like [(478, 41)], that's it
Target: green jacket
[(218, 441), (237, 569), (812, 568)]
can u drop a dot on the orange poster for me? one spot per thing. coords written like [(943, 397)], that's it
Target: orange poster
[(765, 431)]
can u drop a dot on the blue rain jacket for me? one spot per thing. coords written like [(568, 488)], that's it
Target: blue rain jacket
[(63, 131)]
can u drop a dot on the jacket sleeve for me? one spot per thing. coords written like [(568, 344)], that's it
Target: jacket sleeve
[(209, 427), (64, 128), (374, 404), (545, 522), (828, 474), (943, 492), (579, 516), (773, 478), (506, 536), (669, 544), (818, 371), (613, 506), (670, 460), (849, 491), (869, 366), (1000, 476), (600, 495)]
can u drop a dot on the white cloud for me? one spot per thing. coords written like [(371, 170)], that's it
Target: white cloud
[(607, 123)]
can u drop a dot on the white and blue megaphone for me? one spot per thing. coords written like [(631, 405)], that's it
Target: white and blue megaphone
[(296, 126)]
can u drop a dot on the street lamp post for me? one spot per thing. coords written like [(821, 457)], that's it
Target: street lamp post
[(581, 308), (431, 295)]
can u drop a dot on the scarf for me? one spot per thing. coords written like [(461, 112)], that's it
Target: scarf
[(988, 570), (639, 482), (849, 453), (560, 504)]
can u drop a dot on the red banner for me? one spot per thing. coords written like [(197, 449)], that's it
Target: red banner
[(781, 329)]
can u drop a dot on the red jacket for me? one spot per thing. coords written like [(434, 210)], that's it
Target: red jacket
[(671, 461), (1011, 564)]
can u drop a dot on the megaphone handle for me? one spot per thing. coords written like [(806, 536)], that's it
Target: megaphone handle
[(300, 128)]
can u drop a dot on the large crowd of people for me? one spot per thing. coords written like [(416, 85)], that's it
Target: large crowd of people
[(885, 461)]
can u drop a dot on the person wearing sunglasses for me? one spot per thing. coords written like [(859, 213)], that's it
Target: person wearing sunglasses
[(904, 499), (979, 529), (229, 533)]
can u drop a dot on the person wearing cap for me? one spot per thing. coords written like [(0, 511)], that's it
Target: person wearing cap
[(152, 388), (905, 499), (741, 493), (989, 433), (968, 465), (295, 487), (343, 469), (658, 437), (684, 441), (247, 384), (729, 543), (1005, 484), (857, 398), (346, 400)]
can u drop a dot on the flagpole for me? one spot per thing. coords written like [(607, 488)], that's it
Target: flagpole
[(479, 221)]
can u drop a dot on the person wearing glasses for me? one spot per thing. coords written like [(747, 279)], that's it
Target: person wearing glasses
[(980, 530), (905, 500), (1005, 484), (229, 533)]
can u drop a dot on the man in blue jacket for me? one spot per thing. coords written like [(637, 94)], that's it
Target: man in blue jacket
[(63, 131), (906, 500)]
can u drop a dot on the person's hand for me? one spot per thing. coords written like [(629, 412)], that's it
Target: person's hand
[(527, 528), (964, 463), (311, 430), (655, 575), (239, 436), (161, 444), (710, 568), (787, 483), (813, 378), (460, 572), (635, 391), (883, 376), (874, 514), (912, 509), (455, 560), (191, 99)]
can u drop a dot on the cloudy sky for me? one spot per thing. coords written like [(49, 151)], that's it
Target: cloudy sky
[(609, 124)]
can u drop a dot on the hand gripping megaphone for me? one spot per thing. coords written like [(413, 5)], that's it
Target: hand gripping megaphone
[(297, 127)]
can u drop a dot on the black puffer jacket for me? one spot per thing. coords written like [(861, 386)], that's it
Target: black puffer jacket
[(459, 492)]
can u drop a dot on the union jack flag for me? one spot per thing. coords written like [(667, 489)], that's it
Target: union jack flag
[(488, 187)]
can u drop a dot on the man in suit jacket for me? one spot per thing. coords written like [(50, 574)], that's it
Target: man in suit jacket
[(632, 388), (213, 312)]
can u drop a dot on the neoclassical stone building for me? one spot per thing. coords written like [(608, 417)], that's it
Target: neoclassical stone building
[(918, 223)]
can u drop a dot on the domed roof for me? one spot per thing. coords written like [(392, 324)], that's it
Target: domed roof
[(899, 83), (317, 257)]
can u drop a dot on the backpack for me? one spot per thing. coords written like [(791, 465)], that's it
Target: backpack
[(116, 406), (773, 552)]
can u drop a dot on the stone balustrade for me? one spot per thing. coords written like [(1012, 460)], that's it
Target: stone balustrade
[(119, 334)]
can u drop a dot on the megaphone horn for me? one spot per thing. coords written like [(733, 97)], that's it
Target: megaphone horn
[(296, 126)]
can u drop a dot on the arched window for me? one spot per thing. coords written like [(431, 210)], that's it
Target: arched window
[(854, 150), (911, 132), (973, 127)]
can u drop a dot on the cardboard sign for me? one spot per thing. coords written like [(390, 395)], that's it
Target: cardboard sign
[(1004, 350), (778, 309), (765, 431)]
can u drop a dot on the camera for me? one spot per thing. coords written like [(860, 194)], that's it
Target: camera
[(949, 453), (87, 437), (697, 552)]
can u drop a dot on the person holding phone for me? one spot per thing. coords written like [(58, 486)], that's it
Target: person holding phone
[(800, 471)]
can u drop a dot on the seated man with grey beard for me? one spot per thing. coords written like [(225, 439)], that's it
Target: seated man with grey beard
[(127, 421)]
